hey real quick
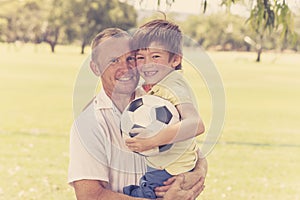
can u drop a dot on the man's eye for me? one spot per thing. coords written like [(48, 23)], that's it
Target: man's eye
[(155, 56), (114, 60), (131, 58)]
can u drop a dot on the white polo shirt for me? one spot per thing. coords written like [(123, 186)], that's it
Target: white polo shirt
[(97, 150)]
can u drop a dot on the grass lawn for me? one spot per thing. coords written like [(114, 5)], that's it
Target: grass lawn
[(257, 156)]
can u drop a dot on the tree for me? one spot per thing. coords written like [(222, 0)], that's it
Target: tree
[(266, 17), (6, 18), (34, 21), (54, 23), (88, 17), (21, 20), (61, 21)]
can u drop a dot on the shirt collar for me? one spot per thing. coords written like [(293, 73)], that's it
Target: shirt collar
[(153, 87), (102, 101)]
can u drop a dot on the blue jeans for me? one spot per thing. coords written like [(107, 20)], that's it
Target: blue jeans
[(148, 183)]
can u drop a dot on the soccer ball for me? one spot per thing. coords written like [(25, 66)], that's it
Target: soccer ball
[(151, 113)]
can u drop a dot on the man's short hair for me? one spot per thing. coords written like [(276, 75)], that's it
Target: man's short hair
[(104, 35)]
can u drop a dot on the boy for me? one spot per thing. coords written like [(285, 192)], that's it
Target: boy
[(158, 46)]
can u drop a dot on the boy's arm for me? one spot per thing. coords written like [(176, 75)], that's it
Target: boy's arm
[(189, 126)]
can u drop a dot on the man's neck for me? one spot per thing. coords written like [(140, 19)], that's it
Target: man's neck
[(122, 100)]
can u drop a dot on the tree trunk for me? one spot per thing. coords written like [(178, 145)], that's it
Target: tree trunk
[(51, 38), (82, 46), (82, 49), (52, 47), (259, 47), (259, 51)]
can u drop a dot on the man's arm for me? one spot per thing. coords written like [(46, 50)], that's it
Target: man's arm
[(96, 190)]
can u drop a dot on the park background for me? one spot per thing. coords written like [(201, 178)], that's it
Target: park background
[(45, 42)]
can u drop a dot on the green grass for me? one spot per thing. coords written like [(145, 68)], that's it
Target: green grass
[(36, 114), (257, 156)]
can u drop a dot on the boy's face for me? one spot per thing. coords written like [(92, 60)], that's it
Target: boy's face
[(154, 63)]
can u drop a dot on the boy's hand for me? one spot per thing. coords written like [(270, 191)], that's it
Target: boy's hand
[(138, 144)]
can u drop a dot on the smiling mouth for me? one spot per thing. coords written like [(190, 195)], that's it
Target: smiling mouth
[(125, 78), (149, 73)]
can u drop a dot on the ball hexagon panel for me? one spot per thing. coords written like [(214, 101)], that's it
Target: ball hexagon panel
[(164, 148), (134, 126), (163, 114), (135, 104)]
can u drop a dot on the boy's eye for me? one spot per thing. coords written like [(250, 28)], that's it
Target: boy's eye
[(139, 57)]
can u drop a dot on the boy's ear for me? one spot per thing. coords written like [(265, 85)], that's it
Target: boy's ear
[(176, 60), (95, 68)]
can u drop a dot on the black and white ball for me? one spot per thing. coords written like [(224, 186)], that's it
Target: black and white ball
[(151, 113)]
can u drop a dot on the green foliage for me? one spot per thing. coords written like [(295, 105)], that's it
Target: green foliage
[(54, 22), (266, 17), (21, 20), (3, 28), (223, 30), (88, 17), (269, 16), (285, 23), (61, 21), (262, 17)]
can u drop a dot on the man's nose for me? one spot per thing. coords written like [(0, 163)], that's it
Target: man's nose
[(124, 65)]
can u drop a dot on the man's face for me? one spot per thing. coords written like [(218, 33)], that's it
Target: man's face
[(154, 63), (117, 66)]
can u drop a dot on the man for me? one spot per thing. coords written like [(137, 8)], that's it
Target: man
[(100, 163)]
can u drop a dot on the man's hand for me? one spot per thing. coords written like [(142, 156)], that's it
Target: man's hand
[(195, 177), (176, 191), (191, 179), (198, 174), (162, 191)]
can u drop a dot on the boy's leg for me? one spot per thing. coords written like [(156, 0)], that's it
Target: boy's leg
[(148, 183), (133, 190)]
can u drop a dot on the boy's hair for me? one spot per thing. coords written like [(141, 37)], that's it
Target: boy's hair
[(104, 35), (164, 33)]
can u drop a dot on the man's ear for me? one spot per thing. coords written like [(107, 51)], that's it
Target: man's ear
[(176, 60), (95, 68)]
